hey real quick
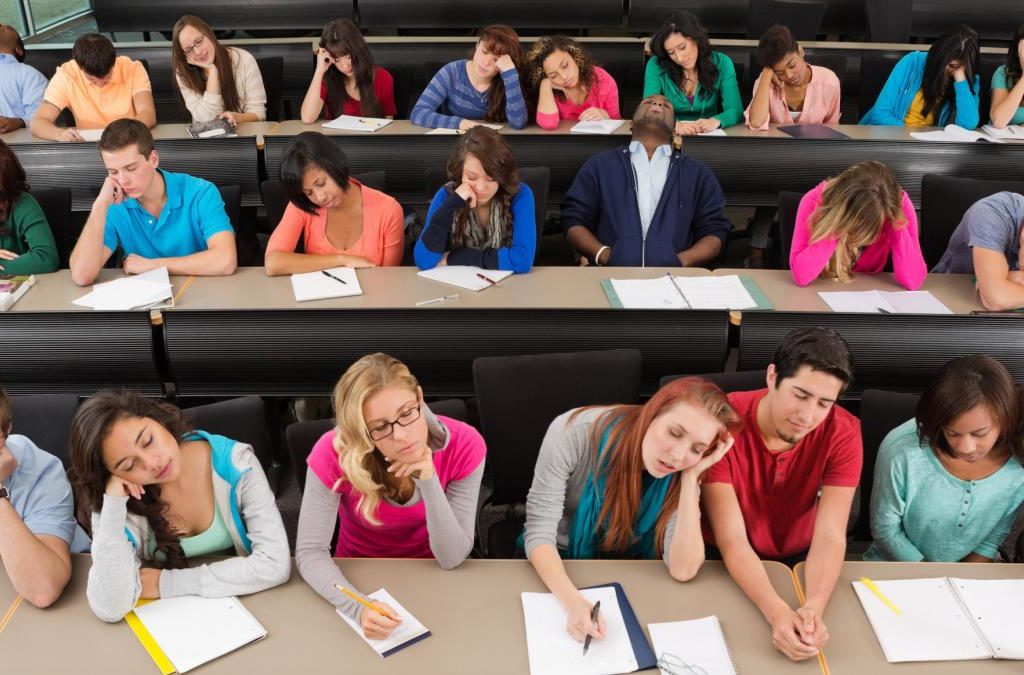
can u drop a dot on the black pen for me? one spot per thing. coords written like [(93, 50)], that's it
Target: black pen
[(996, 312), (593, 620), (326, 273)]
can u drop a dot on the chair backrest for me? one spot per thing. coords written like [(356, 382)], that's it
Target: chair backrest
[(746, 380), (834, 62), (880, 412), (240, 419), (246, 243), (46, 420), (802, 17), (272, 72), (789, 202), (889, 20), (545, 386), (56, 205), (944, 200), (874, 71)]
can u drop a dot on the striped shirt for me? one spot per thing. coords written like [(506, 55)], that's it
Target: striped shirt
[(451, 97)]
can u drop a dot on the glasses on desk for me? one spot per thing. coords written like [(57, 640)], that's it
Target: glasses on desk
[(671, 664), (382, 431)]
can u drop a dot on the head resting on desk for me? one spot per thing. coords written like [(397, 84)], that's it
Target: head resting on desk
[(654, 119), (126, 147), (11, 43), (12, 181), (314, 172), (95, 55)]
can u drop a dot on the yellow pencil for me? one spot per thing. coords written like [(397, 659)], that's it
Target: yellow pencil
[(361, 601), (870, 585), (184, 287)]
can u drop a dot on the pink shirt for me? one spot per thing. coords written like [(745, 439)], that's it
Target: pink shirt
[(821, 102), (806, 260), (603, 94), (403, 529)]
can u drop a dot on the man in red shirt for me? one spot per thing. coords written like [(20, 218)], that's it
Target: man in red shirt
[(784, 491)]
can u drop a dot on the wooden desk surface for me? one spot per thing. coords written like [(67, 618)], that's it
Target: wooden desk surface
[(56, 292), (160, 132), (853, 648), (474, 613)]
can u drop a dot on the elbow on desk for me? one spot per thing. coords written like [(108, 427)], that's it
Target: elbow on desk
[(685, 572), (998, 300), (83, 277)]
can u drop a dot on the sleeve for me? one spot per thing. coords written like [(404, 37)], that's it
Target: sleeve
[(433, 241), (515, 104), (40, 254), (323, 461), (548, 121), (967, 103), (50, 506), (33, 89), (56, 93), (558, 458), (909, 267), (807, 260), (608, 95), (286, 235), (729, 91), (709, 218), (746, 113), (140, 78), (989, 228), (451, 513), (114, 585), (213, 219), (203, 107), (249, 80), (846, 452), (888, 503), (392, 225), (519, 256), (424, 113), (117, 217), (384, 90), (267, 565), (581, 204), (652, 77), (989, 546), (999, 78), (884, 112)]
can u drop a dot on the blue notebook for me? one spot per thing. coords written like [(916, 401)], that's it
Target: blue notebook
[(642, 650)]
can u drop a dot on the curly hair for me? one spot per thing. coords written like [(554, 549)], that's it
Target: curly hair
[(687, 25), (546, 46), (776, 43)]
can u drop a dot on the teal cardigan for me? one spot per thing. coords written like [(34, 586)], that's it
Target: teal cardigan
[(27, 233), (903, 84), (724, 104)]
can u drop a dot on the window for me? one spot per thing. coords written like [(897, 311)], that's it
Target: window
[(34, 16), (10, 14)]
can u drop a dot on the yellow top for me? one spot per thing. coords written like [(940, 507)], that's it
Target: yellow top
[(914, 117)]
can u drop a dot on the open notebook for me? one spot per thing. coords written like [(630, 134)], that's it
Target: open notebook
[(947, 619), (465, 276), (884, 302), (352, 123), (673, 292), (336, 282), (699, 644), (409, 632), (952, 133), (603, 127)]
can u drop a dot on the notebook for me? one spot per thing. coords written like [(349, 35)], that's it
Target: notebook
[(150, 290), (12, 290), (352, 123), (884, 302), (443, 131), (675, 292), (952, 133), (184, 632), (464, 276), (320, 286), (947, 619), (697, 643), (821, 132), (597, 127), (1011, 131), (409, 632), (92, 135)]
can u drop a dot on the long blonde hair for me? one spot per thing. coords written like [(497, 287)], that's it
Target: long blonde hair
[(855, 205), (362, 464)]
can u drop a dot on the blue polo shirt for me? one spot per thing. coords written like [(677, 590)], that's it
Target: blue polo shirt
[(194, 212)]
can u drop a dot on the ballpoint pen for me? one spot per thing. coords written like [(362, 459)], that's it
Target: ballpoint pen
[(338, 279), (593, 620), (486, 278), (454, 296)]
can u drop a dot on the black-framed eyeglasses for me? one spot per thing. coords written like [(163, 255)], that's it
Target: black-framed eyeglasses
[(385, 429), (195, 45)]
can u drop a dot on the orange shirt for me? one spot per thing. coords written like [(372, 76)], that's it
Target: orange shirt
[(382, 241), (92, 106)]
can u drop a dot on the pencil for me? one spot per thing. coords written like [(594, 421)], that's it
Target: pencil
[(362, 601), (184, 286), (871, 586)]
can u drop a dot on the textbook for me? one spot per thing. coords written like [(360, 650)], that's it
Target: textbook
[(597, 127), (1011, 131), (336, 282), (884, 302), (465, 276), (13, 288), (676, 292), (952, 133), (699, 644), (946, 619), (408, 633), (187, 631), (352, 123)]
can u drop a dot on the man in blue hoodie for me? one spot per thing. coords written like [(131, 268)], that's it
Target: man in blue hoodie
[(645, 205)]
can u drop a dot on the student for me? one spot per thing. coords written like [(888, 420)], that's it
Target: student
[(21, 85), (570, 86), (987, 243), (37, 519), (484, 216), (158, 492), (949, 481), (355, 85), (341, 221), (157, 218), (215, 81), (98, 87), (851, 223), (624, 481), (400, 481), (26, 241), (933, 88), (700, 83), (785, 490), (1008, 86), (645, 204), (486, 87)]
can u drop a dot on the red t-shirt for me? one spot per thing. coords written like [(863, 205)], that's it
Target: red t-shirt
[(778, 491), (383, 89)]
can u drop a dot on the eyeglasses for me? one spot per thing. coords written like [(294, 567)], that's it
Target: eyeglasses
[(670, 664), (382, 431), (195, 45)]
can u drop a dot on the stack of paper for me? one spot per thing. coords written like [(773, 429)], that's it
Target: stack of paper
[(12, 290), (884, 302), (145, 291), (673, 292), (952, 133), (465, 276), (337, 282), (700, 644), (597, 127), (442, 131), (1012, 131), (352, 123), (92, 135), (409, 632)]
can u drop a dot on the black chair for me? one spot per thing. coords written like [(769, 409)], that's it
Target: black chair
[(889, 20), (746, 380), (944, 200), (789, 202), (246, 244), (874, 71), (240, 419), (544, 386), (272, 72), (834, 62), (403, 78), (880, 412), (56, 205), (46, 420), (802, 17), (275, 201), (300, 437)]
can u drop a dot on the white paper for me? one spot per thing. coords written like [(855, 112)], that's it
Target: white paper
[(725, 292), (319, 286), (90, 134), (952, 133), (464, 276), (657, 293), (1009, 131), (915, 302), (552, 650), (444, 131), (144, 290), (713, 132), (995, 605), (597, 127), (409, 629), (352, 123), (888, 302), (699, 642), (192, 630)]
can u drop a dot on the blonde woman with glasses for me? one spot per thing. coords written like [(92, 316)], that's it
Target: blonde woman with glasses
[(400, 481), (852, 223)]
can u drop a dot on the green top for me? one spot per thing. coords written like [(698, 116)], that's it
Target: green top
[(215, 539), (724, 104), (27, 233)]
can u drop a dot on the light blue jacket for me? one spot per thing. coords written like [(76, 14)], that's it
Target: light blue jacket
[(905, 80)]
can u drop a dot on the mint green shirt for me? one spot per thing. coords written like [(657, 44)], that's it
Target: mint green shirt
[(999, 82), (216, 539), (920, 511), (724, 103)]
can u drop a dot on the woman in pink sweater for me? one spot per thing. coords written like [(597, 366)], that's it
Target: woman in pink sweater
[(851, 223), (569, 85)]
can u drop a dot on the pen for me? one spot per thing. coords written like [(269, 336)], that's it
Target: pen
[(593, 620), (486, 278), (441, 299), (328, 274), (870, 585), (678, 290), (992, 312), (361, 601)]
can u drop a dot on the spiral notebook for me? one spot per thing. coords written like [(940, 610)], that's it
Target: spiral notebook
[(408, 633), (699, 643), (947, 619)]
